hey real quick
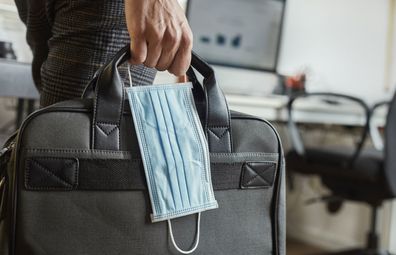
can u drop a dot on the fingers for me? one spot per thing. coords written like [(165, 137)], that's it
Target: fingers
[(139, 50), (182, 59), (154, 41), (171, 42), (160, 35), (170, 51)]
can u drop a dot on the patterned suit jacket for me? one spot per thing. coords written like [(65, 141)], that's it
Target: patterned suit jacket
[(70, 40)]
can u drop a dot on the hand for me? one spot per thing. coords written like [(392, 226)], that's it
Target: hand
[(160, 35)]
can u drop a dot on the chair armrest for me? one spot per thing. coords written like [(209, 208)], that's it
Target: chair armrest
[(295, 136), (374, 132)]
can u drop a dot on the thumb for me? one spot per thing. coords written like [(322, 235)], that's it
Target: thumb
[(138, 51)]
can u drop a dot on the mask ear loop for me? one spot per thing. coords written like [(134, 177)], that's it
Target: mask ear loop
[(196, 237), (129, 74)]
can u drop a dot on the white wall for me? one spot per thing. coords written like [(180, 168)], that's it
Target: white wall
[(342, 44)]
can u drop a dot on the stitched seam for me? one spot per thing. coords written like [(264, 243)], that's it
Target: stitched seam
[(263, 154), (27, 177), (51, 173), (82, 150), (108, 159), (159, 87), (104, 131), (73, 162), (252, 179), (70, 185), (202, 207), (247, 165), (227, 164), (257, 175), (221, 136)]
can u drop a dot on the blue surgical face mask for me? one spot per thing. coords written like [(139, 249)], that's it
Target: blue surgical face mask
[(174, 152)]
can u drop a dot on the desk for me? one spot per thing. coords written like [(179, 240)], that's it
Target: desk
[(16, 81), (274, 108)]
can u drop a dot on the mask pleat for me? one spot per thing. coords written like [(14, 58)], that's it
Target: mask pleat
[(144, 106), (179, 126), (191, 152), (164, 131)]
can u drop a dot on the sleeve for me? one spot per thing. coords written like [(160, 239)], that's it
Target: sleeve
[(38, 32)]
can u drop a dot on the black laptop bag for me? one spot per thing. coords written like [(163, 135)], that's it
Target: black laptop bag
[(72, 180)]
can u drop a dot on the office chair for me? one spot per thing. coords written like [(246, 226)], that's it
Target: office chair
[(359, 174)]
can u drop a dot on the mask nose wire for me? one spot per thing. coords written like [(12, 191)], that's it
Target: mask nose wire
[(197, 234)]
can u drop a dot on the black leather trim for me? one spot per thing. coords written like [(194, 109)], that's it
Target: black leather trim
[(258, 175), (49, 173), (218, 125), (65, 173), (108, 104)]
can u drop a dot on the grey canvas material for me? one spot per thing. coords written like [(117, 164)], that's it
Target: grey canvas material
[(105, 220)]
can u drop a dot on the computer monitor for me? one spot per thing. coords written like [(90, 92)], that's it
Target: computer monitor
[(237, 33)]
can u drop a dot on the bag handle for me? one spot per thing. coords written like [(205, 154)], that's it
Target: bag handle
[(109, 105)]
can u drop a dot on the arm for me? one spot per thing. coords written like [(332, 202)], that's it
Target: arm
[(160, 35)]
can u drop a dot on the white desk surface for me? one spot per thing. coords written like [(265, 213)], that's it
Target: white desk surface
[(16, 80), (273, 108)]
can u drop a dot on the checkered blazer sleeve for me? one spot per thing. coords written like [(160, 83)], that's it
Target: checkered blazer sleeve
[(70, 40)]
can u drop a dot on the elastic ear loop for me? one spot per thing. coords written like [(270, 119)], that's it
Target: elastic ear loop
[(196, 236), (129, 74)]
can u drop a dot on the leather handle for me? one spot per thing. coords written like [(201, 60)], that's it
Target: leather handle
[(218, 120), (109, 104)]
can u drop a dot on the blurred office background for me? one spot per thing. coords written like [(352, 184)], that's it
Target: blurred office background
[(337, 46)]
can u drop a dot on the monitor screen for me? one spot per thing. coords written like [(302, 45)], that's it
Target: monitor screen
[(238, 33)]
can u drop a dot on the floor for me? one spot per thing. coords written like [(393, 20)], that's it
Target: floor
[(295, 247)]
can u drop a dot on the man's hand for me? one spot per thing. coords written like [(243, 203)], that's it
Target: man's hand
[(160, 35)]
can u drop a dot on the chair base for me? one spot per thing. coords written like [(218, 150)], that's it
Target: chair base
[(358, 252)]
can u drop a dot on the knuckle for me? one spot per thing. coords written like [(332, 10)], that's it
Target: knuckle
[(138, 58), (173, 35), (156, 35), (163, 65), (187, 41), (173, 40), (149, 64)]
